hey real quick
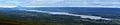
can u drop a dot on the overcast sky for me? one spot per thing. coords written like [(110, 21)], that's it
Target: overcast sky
[(60, 3)]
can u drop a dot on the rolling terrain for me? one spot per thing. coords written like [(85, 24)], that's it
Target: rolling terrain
[(58, 16)]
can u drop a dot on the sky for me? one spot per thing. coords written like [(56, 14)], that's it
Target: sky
[(60, 3)]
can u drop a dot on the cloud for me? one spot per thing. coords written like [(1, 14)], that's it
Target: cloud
[(6, 6), (65, 13), (60, 3)]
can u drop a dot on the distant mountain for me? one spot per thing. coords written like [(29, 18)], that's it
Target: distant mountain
[(112, 12), (78, 9)]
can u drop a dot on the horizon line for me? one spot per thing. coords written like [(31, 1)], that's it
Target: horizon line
[(60, 6)]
